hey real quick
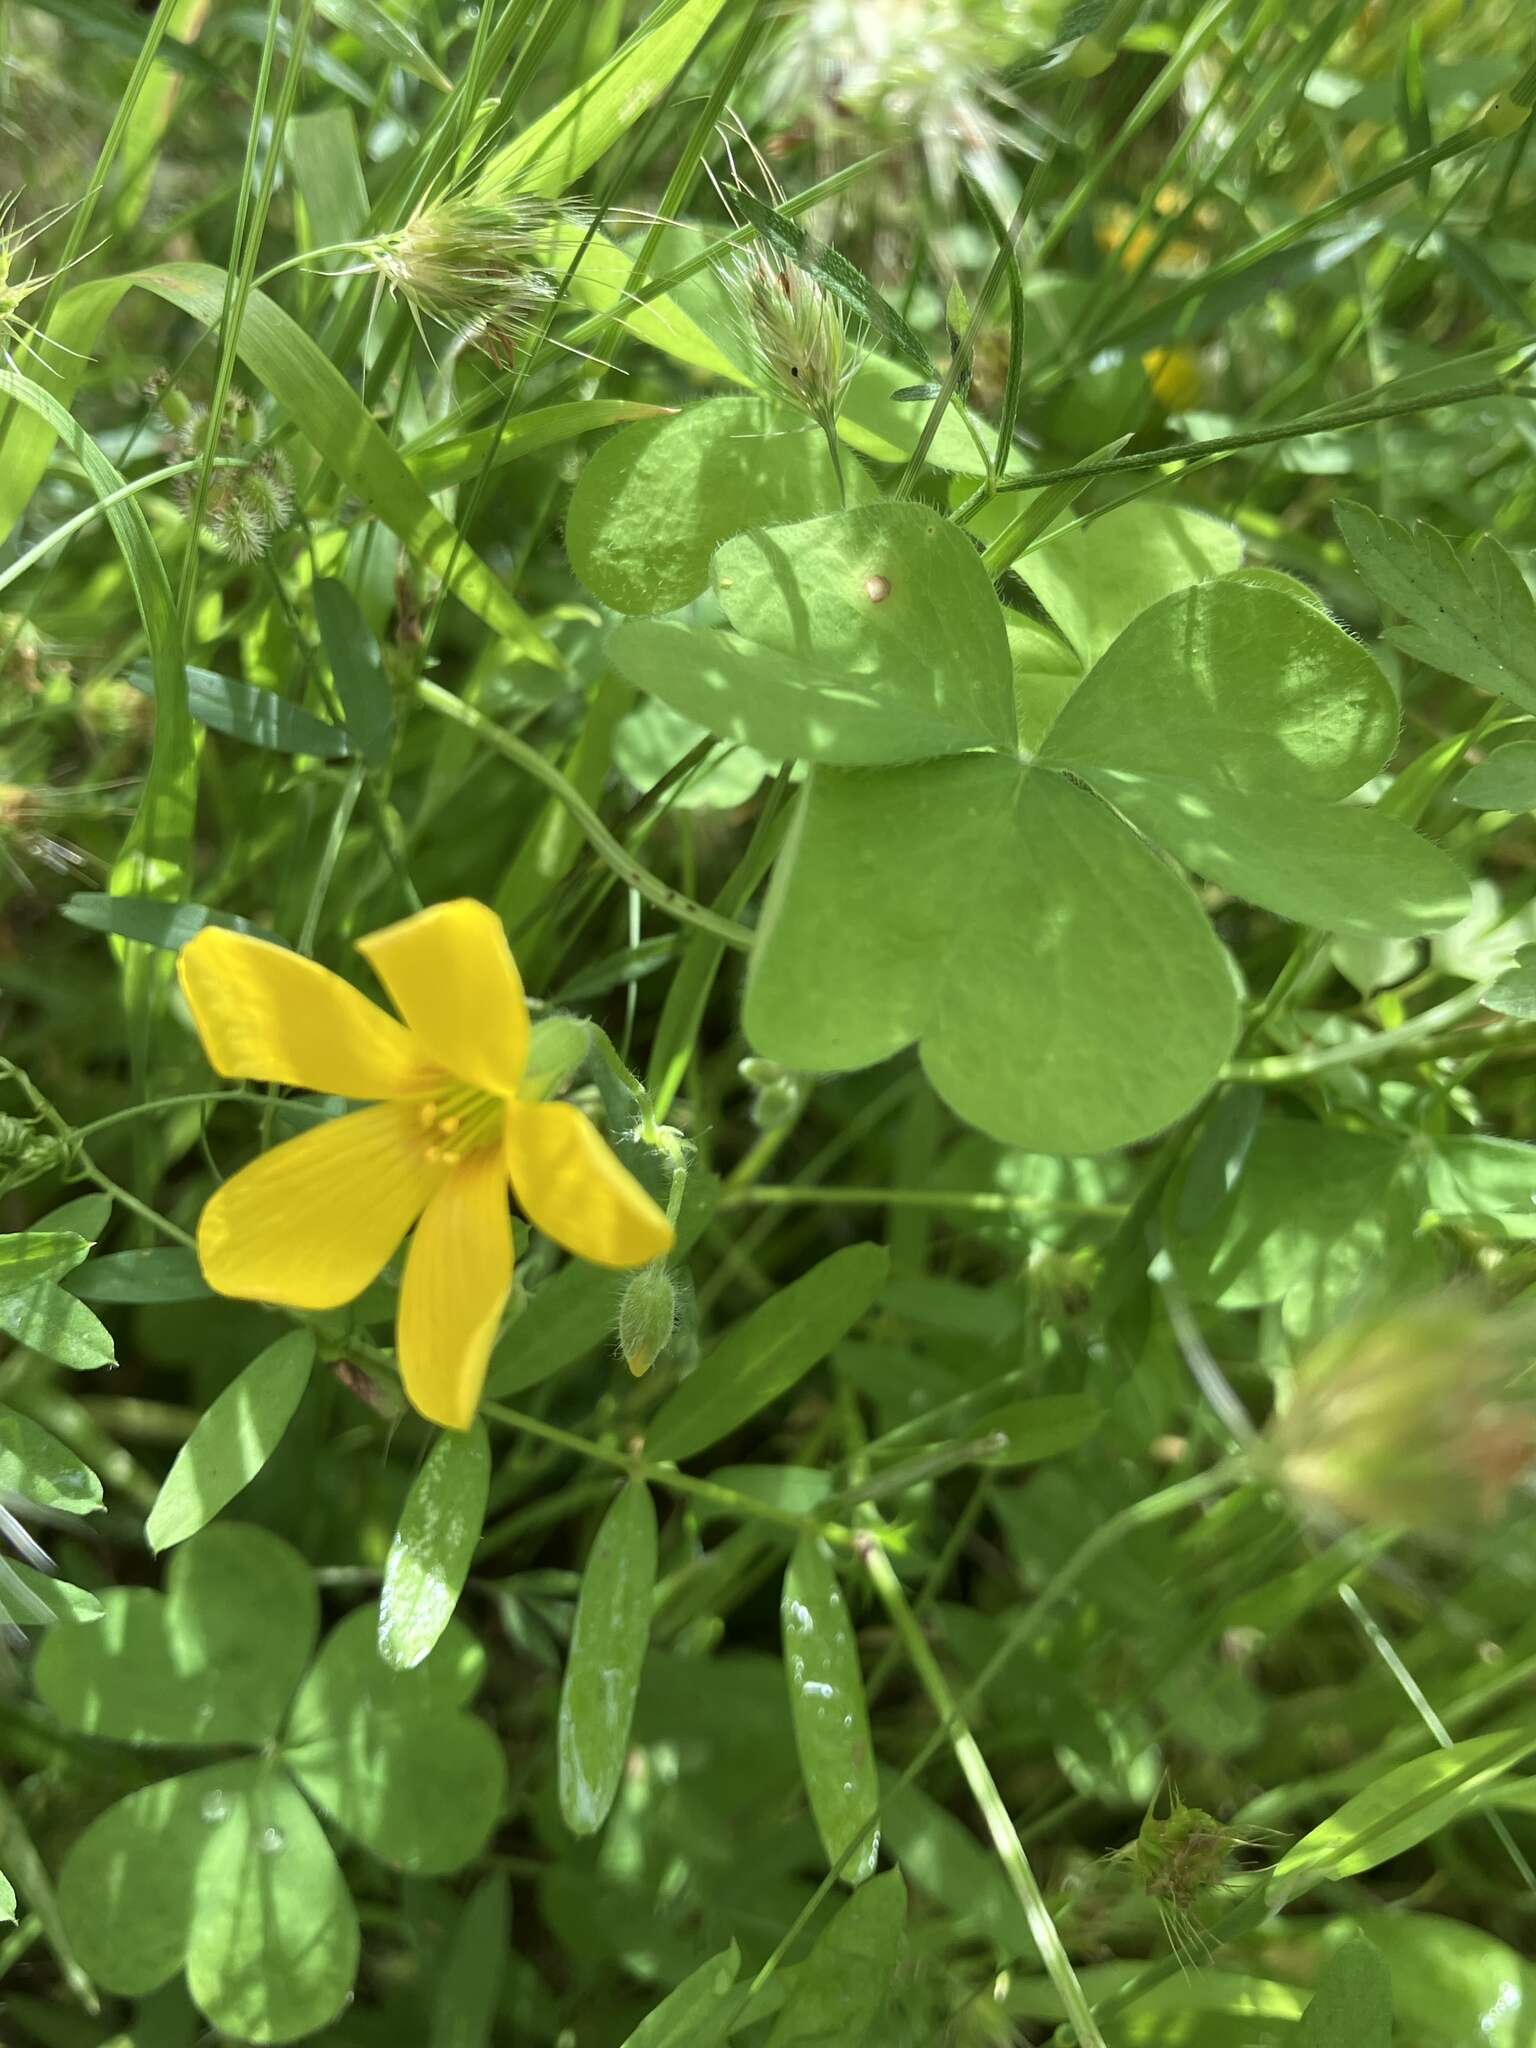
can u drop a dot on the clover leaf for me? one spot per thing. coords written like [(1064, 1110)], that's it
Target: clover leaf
[(654, 501), (1011, 910), (1320, 1218), (225, 1871)]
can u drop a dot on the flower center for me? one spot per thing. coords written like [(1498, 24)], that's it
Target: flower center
[(460, 1120)]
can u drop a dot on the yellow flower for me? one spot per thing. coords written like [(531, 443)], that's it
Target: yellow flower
[(1174, 374), (313, 1221)]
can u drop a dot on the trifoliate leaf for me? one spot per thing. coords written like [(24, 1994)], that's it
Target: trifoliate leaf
[(390, 1755), (653, 504), (214, 1660)]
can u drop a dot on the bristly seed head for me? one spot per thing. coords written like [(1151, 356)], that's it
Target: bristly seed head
[(472, 266), (795, 331)]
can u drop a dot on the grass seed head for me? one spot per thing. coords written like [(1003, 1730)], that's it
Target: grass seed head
[(472, 266), (795, 332)]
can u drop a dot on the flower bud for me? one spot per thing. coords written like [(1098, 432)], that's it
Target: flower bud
[(778, 1094), (1090, 57), (647, 1317), (1413, 1419)]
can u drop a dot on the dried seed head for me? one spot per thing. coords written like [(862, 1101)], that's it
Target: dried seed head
[(472, 266), (1417, 1418), (795, 333)]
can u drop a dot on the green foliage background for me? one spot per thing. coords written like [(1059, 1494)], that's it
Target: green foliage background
[(1046, 837)]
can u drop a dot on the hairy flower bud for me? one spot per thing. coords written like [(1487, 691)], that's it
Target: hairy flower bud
[(647, 1317)]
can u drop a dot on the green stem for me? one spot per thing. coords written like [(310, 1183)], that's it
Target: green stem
[(724, 1497), (617, 856), (1327, 421), (774, 1195), (978, 1775), (1320, 1059)]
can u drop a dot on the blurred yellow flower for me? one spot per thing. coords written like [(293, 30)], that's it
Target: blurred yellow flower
[(1174, 375), (311, 1223)]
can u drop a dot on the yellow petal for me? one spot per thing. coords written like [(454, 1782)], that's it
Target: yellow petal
[(311, 1222), (572, 1187), (458, 1274), (451, 975), (265, 1014)]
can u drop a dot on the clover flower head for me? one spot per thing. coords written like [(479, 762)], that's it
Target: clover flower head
[(455, 1117), (1416, 1417)]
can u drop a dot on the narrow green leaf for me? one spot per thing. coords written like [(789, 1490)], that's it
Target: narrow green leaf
[(1404, 1807), (1008, 412), (1412, 106), (440, 464), (433, 1547), (602, 1673), (157, 847), (34, 1464), (33, 1599), (1031, 1431), (96, 22), (840, 1994), (828, 1709), (328, 169), (167, 925), (7, 1899), (232, 1441), (553, 151), (763, 1356), (358, 669), (259, 717), (1352, 2004), (386, 37), (464, 2003), (1470, 615), (28, 1256), (1475, 271), (700, 2012), (168, 1275)]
